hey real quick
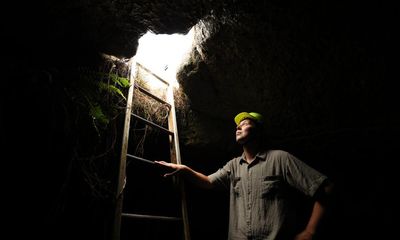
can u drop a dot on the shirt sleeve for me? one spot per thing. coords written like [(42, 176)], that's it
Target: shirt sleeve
[(221, 178), (303, 177)]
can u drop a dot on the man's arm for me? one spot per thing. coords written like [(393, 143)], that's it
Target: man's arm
[(321, 201), (196, 177)]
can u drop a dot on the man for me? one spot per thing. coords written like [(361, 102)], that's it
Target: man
[(262, 184)]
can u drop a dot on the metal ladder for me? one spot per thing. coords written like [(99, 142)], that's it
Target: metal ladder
[(175, 157)]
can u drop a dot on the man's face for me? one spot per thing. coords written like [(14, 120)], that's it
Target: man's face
[(245, 131)]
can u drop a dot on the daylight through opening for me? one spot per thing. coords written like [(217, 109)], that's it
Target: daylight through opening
[(162, 54)]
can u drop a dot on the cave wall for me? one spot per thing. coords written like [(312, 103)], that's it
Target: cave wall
[(322, 73)]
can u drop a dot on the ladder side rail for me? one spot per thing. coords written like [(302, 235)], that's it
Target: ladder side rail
[(176, 158), (173, 126), (122, 161)]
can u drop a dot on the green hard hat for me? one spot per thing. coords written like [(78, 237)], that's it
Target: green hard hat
[(249, 115)]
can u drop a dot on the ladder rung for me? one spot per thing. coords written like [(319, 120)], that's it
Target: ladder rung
[(156, 76), (153, 217), (140, 159), (152, 95), (153, 124)]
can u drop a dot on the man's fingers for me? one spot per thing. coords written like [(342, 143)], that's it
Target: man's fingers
[(171, 173), (162, 163), (172, 167)]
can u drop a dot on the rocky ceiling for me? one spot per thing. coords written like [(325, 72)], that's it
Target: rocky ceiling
[(320, 71), (310, 67)]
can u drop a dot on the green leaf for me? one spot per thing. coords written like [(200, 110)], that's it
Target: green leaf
[(97, 114), (111, 89)]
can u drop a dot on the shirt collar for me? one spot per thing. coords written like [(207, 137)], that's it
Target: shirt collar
[(262, 155)]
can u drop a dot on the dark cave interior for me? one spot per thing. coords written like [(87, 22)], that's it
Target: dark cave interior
[(324, 73)]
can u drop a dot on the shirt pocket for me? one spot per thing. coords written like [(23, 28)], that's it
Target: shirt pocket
[(236, 185), (271, 187)]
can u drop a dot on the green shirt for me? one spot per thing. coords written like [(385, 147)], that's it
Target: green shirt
[(261, 192)]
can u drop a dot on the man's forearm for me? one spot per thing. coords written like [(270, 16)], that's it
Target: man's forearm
[(321, 203), (316, 215), (196, 177)]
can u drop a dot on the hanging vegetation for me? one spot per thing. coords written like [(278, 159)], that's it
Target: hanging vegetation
[(97, 100)]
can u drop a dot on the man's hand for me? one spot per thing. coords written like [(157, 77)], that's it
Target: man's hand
[(174, 168)]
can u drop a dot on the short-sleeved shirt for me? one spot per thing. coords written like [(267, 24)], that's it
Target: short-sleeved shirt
[(260, 193)]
